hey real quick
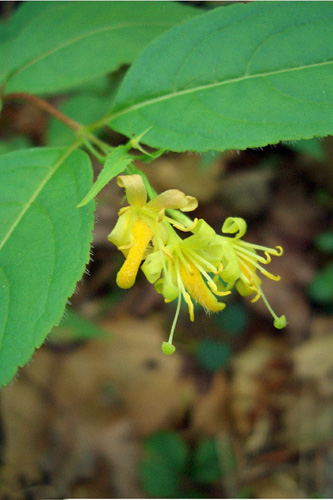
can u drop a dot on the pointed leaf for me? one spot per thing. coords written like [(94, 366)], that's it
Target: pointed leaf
[(115, 163), (44, 245), (240, 76)]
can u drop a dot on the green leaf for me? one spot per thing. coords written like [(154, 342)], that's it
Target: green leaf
[(44, 245), (86, 106), (84, 109), (240, 76), (74, 327), (163, 464), (312, 147), (115, 163), (324, 242), (206, 467), (71, 42), (321, 288)]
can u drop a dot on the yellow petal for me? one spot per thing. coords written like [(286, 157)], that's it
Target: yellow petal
[(171, 199), (142, 235), (136, 193)]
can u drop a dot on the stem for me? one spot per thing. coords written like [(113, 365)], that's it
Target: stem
[(93, 151), (46, 106)]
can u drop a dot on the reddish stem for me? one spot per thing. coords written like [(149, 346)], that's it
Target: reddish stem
[(46, 106)]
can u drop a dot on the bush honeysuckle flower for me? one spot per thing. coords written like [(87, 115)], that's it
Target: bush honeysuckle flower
[(241, 261), (181, 270), (203, 266), (142, 221)]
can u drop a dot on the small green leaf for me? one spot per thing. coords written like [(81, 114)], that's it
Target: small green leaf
[(74, 327), (115, 163), (206, 467), (324, 242), (170, 446), (69, 42), (321, 289), (312, 147), (163, 464), (44, 245), (158, 480), (227, 86)]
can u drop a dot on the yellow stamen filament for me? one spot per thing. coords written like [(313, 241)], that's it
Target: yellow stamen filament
[(253, 263), (142, 235), (198, 289)]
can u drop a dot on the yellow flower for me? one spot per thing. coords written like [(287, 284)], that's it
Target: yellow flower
[(141, 222), (181, 270), (241, 262)]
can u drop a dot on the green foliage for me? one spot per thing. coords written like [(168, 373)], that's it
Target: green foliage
[(163, 464), (214, 354), (44, 243), (85, 106), (93, 38), (324, 242), (311, 147), (321, 288), (225, 84), (205, 466), (115, 163), (172, 469), (73, 328), (84, 109)]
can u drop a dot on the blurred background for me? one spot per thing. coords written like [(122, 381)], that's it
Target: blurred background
[(241, 410)]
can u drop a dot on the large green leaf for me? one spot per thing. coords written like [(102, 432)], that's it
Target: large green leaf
[(44, 245), (76, 41), (240, 76)]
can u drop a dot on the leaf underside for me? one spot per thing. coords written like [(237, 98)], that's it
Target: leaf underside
[(44, 245), (241, 76)]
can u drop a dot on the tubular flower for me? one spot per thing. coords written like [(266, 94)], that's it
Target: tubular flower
[(141, 222), (180, 270), (241, 263)]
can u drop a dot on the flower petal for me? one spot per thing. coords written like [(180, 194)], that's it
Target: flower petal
[(121, 233), (235, 225), (136, 193), (152, 266), (173, 198)]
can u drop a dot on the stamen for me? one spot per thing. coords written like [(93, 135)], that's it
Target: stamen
[(211, 282), (196, 257), (258, 266), (167, 253), (175, 319), (190, 305), (252, 254), (277, 251)]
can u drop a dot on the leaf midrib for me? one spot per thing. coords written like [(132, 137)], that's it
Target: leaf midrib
[(199, 88), (36, 193)]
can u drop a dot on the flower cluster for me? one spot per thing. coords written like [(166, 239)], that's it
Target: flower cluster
[(204, 266)]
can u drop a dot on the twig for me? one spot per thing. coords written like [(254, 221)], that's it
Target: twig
[(46, 106)]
